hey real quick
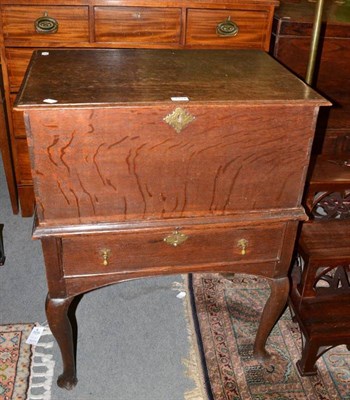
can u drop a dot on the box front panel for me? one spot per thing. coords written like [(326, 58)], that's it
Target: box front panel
[(120, 164)]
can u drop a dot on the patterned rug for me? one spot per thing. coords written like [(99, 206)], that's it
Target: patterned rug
[(25, 371), (15, 361), (227, 312)]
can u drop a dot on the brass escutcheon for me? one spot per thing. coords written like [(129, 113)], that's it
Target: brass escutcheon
[(179, 119), (175, 238), (105, 253), (243, 244)]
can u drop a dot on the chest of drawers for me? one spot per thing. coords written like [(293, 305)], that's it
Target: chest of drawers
[(152, 162), (27, 25)]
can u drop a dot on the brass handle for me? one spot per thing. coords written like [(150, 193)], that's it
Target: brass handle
[(243, 244), (46, 24), (175, 238), (105, 253), (227, 28)]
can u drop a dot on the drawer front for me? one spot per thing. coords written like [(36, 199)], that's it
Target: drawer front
[(137, 25), (23, 173), (147, 250), (17, 63), (21, 24), (227, 28), (336, 142), (19, 129)]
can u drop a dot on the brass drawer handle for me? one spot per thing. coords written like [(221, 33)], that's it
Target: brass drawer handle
[(46, 24), (243, 244), (227, 28), (175, 238), (105, 253)]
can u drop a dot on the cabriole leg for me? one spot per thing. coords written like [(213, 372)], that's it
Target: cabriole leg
[(272, 311), (60, 325)]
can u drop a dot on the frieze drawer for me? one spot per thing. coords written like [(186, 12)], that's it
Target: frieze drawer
[(171, 247), (35, 25)]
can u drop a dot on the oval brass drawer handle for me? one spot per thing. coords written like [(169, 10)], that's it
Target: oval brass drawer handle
[(243, 244), (175, 238), (227, 28), (46, 24), (105, 253)]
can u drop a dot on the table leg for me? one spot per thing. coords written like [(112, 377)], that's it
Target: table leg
[(60, 325), (272, 311), (310, 353), (2, 251)]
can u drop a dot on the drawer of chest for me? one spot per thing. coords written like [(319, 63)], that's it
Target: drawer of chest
[(17, 60), (171, 248), (35, 25), (23, 170), (137, 25), (227, 28), (19, 130)]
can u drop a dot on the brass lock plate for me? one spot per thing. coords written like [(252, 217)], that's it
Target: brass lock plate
[(179, 119), (176, 238)]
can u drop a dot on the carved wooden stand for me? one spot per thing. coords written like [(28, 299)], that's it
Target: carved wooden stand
[(320, 295)]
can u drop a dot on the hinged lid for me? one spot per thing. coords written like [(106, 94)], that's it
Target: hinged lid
[(127, 77)]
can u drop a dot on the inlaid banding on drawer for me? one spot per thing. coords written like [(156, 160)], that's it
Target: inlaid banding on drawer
[(137, 25), (19, 24), (148, 250), (203, 28)]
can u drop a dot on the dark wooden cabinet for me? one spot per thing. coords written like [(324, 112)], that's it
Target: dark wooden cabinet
[(320, 291), (116, 24), (153, 162), (290, 42)]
